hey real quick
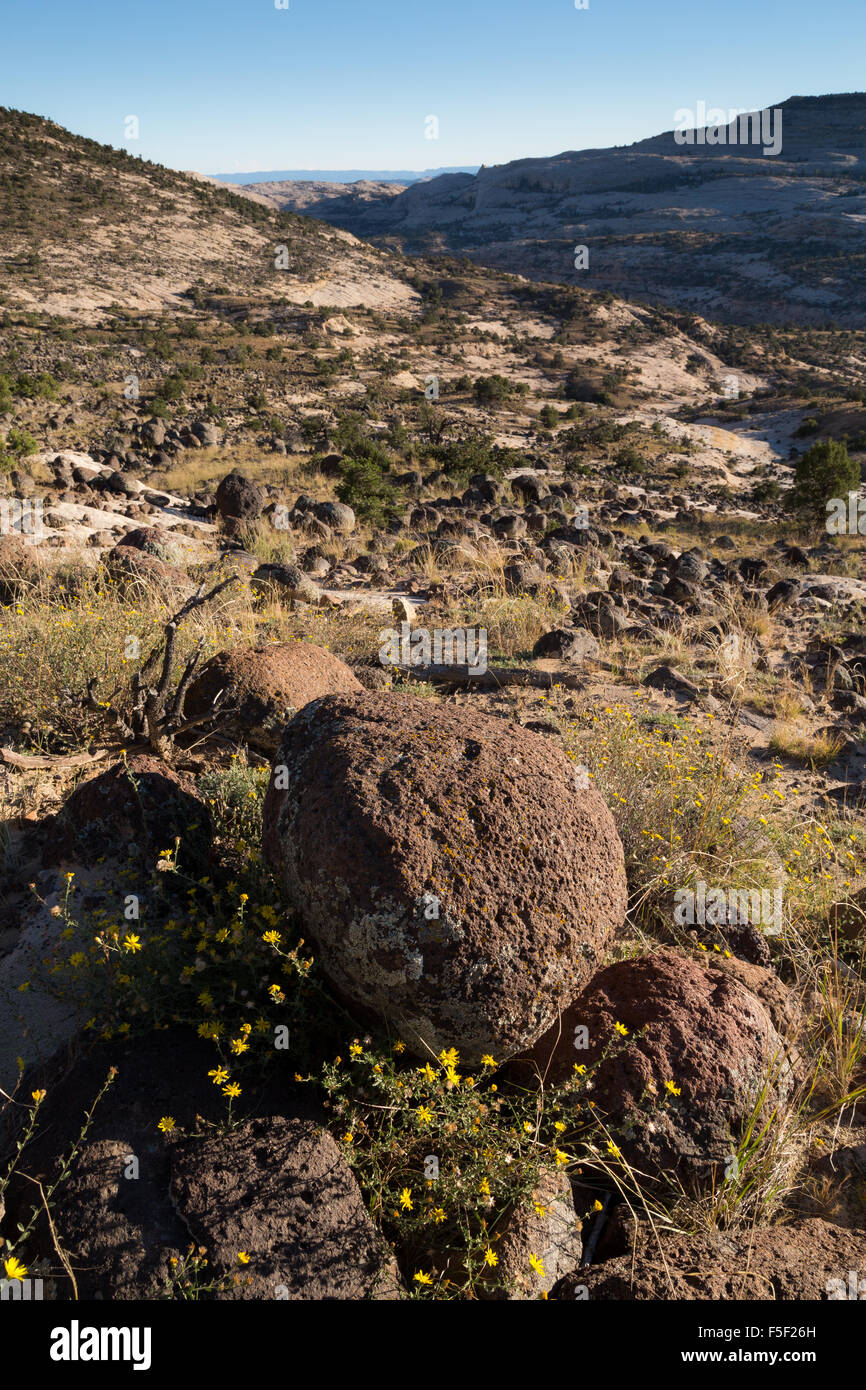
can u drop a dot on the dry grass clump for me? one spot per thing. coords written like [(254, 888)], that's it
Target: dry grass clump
[(200, 470), (815, 750), (687, 810), (683, 810), (478, 596)]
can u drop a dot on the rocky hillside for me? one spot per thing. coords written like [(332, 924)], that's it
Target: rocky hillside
[(720, 229), (86, 229), (312, 196)]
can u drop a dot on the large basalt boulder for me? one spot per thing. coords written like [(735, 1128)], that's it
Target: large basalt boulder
[(131, 569), (545, 1226), (286, 582), (279, 1189), (136, 809), (153, 432), (600, 613), (456, 880), (239, 498), (698, 1023), (568, 644), (103, 846), (337, 515), (155, 541), (522, 578), (206, 433), (254, 691)]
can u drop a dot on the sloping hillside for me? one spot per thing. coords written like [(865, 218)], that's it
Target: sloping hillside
[(84, 227)]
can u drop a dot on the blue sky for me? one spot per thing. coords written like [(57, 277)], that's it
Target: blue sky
[(232, 85)]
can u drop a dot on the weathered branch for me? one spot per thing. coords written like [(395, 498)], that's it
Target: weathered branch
[(26, 760), (177, 702), (154, 716)]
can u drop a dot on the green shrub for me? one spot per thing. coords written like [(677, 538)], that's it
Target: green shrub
[(17, 445), (171, 388), (581, 388), (460, 458), (41, 387), (314, 429), (492, 390), (767, 490), (630, 460), (366, 488), (824, 471)]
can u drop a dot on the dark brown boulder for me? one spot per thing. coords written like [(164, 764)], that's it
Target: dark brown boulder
[(599, 612), (545, 1225), (666, 677), (337, 515), (568, 644), (239, 498), (521, 578), (139, 806), (155, 541), (454, 878), (238, 562), (286, 582), (257, 690), (131, 568), (279, 1189), (692, 1022), (115, 1219)]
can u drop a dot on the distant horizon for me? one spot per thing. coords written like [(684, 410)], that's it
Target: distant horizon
[(403, 176), (387, 175), (342, 175)]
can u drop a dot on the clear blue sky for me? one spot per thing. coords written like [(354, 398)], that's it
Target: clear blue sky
[(233, 85)]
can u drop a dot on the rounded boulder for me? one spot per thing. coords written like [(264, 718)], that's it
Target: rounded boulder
[(138, 808), (255, 690), (456, 880), (155, 541), (680, 1052), (238, 498)]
